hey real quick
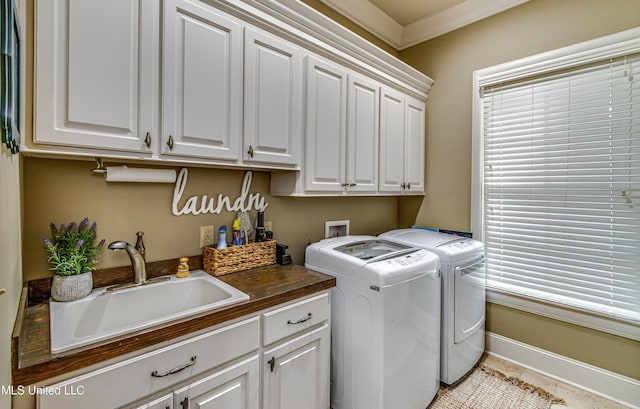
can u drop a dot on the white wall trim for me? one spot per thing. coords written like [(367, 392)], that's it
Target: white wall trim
[(377, 22), (610, 46), (371, 18), (609, 385), (463, 14), (305, 26), (565, 313)]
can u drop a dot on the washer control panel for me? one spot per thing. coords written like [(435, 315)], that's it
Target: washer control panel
[(409, 259)]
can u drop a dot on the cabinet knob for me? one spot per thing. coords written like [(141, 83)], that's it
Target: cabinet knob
[(250, 151), (185, 403), (170, 142), (352, 184), (147, 140), (403, 185), (272, 363), (408, 186)]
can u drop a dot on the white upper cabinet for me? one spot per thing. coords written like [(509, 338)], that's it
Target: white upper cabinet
[(96, 73), (391, 141), (414, 145), (202, 82), (362, 134), (272, 99), (227, 83), (401, 143), (326, 126), (341, 135)]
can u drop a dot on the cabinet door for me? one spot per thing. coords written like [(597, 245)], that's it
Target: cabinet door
[(362, 135), (296, 373), (272, 100), (326, 109), (233, 387), (96, 73), (202, 82), (414, 146), (392, 150), (163, 402)]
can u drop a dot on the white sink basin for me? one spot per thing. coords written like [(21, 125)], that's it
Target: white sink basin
[(104, 314)]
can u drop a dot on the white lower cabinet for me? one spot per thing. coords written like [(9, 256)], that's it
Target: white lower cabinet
[(218, 369), (296, 372), (234, 387), (163, 402), (296, 358)]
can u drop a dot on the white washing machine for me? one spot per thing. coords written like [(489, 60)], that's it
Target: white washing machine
[(463, 296), (385, 322)]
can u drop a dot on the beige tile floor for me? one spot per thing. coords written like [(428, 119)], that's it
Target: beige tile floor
[(575, 398)]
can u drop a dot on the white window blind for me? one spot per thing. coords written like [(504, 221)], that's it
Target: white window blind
[(561, 186)]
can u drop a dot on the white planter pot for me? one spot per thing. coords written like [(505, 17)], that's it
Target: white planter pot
[(71, 288)]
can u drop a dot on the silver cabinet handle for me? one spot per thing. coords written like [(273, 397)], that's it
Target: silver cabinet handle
[(177, 369), (147, 140), (250, 151), (170, 142), (301, 320)]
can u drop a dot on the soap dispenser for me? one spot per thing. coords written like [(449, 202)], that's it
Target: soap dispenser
[(222, 238)]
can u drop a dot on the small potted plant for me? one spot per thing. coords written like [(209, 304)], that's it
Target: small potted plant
[(73, 254)]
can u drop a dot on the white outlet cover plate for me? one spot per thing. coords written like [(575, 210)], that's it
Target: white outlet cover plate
[(206, 235), (335, 223)]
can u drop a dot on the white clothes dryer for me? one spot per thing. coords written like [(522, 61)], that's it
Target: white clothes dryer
[(385, 322), (463, 296)]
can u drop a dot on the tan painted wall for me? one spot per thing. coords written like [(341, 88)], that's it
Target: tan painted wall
[(10, 262), (536, 26), (61, 191)]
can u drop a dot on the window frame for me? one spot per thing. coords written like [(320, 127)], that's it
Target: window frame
[(615, 45)]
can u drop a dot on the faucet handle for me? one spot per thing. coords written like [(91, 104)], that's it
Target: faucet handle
[(140, 244)]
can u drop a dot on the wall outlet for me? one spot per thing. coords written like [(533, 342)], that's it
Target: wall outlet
[(268, 226), (206, 236), (336, 228)]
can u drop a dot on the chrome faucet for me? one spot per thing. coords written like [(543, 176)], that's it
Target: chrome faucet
[(137, 262)]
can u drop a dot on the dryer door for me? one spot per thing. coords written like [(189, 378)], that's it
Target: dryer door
[(470, 298)]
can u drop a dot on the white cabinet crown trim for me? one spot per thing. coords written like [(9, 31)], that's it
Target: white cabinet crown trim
[(335, 41)]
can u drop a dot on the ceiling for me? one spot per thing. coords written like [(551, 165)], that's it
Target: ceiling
[(403, 23)]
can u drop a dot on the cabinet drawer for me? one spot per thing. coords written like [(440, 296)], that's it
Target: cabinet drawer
[(132, 378), (293, 318)]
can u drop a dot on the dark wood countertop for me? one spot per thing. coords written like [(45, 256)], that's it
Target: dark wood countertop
[(32, 361)]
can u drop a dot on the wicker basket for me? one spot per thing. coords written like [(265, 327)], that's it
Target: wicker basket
[(237, 258)]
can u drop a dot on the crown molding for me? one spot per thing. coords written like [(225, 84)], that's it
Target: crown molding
[(318, 33), (371, 18), (400, 37)]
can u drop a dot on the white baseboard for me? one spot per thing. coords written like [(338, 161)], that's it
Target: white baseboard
[(610, 385)]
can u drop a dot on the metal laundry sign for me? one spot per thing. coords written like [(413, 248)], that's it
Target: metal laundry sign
[(204, 204)]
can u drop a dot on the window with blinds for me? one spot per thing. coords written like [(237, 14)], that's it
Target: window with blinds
[(560, 186)]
